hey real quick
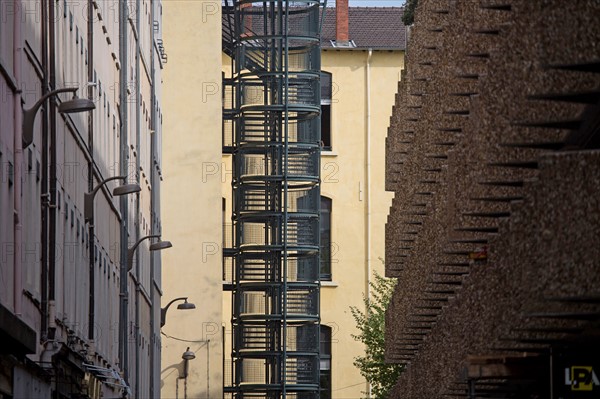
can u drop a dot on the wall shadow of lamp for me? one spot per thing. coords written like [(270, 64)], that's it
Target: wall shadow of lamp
[(182, 306), (156, 246), (187, 356), (88, 200), (74, 105)]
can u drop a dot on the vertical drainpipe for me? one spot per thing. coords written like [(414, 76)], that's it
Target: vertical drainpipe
[(53, 165), (153, 194), (46, 334), (44, 188), (368, 188), (124, 146), (18, 161), (91, 232), (137, 224)]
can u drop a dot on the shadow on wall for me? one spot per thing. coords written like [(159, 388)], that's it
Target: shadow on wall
[(182, 368)]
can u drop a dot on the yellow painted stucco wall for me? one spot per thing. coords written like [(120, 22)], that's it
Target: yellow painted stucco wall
[(344, 180), (192, 198)]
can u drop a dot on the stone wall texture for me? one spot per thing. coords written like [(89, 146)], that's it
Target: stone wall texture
[(494, 231)]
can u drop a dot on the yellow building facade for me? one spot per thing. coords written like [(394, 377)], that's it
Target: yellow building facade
[(197, 195), (353, 177), (192, 198)]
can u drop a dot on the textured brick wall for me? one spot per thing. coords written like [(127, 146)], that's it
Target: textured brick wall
[(476, 157)]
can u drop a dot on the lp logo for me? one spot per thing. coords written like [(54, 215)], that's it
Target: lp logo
[(581, 378)]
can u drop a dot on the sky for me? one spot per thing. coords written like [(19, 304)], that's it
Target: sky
[(372, 3)]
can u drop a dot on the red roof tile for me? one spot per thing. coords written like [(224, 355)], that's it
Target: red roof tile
[(370, 27)]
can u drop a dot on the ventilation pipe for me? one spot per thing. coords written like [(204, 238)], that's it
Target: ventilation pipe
[(368, 188)]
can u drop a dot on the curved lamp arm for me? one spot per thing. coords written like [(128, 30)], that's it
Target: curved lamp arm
[(163, 311), (88, 199), (131, 251), (29, 114)]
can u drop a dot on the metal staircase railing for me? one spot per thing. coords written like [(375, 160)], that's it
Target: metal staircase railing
[(272, 128)]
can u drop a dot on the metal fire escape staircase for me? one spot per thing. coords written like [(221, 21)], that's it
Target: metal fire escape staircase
[(271, 125)]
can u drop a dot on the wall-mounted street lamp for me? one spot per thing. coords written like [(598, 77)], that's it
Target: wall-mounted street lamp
[(88, 202), (182, 306), (156, 246), (187, 356), (124, 297), (88, 214), (68, 107)]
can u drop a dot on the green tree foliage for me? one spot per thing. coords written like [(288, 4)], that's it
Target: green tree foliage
[(409, 11), (371, 325)]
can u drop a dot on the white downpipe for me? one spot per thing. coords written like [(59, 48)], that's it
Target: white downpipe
[(368, 188), (18, 160)]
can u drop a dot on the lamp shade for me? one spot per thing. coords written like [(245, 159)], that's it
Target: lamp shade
[(127, 189), (186, 306), (188, 355), (76, 105), (159, 245)]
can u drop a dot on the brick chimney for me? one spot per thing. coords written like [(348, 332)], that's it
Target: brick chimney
[(341, 21), (247, 19)]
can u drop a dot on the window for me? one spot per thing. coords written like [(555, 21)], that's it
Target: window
[(326, 94), (325, 226), (224, 218), (325, 364), (326, 127), (306, 340)]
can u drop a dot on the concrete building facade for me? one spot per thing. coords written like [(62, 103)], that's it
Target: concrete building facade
[(493, 231), (79, 317)]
